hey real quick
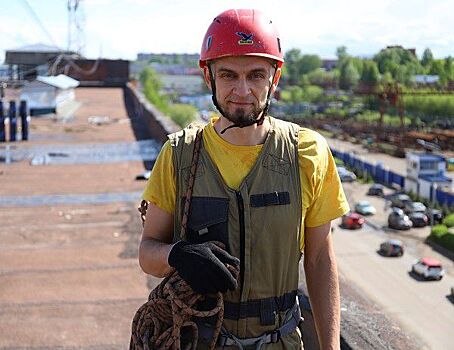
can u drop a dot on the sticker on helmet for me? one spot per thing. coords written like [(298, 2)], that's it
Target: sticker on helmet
[(246, 39), (208, 43)]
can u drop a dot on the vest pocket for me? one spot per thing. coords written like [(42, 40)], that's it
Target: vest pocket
[(208, 220)]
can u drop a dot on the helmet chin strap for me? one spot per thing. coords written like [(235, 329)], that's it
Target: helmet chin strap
[(258, 121)]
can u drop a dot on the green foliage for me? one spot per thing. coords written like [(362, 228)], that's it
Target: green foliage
[(296, 65), (349, 75), (430, 107), (400, 63), (370, 75), (441, 235), (374, 118), (182, 114), (290, 73), (308, 63), (151, 88), (341, 53), (449, 220), (322, 78), (296, 94), (427, 57), (439, 230)]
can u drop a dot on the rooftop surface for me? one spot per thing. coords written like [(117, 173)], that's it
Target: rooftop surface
[(69, 275)]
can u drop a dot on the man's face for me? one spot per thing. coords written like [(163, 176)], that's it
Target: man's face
[(242, 85)]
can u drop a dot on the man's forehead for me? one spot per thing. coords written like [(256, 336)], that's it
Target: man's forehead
[(243, 63)]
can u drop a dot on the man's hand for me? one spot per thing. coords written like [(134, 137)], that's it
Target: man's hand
[(203, 267)]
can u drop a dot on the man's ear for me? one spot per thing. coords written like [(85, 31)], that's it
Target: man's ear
[(206, 77), (277, 76)]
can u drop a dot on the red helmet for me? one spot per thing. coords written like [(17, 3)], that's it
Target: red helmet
[(240, 33)]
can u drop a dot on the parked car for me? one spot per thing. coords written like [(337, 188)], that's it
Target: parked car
[(400, 200), (398, 220), (415, 207), (365, 208), (418, 219), (352, 221), (345, 175), (437, 215), (392, 247), (428, 268), (376, 190)]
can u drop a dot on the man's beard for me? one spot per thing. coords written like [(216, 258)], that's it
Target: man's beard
[(241, 117)]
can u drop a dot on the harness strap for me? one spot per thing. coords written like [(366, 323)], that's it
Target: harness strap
[(265, 308), (293, 318)]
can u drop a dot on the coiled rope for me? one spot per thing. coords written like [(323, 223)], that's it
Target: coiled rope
[(171, 307)]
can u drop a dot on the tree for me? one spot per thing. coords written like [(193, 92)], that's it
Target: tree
[(370, 75), (427, 58), (449, 69), (182, 114), (341, 53), (438, 68), (151, 85), (349, 76), (401, 63), (308, 63), (291, 71)]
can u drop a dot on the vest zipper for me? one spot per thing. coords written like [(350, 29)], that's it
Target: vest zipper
[(239, 199)]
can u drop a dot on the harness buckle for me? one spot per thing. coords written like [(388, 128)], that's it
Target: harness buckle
[(275, 336)]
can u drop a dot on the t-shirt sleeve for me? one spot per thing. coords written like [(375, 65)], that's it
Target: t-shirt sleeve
[(328, 200), (161, 188)]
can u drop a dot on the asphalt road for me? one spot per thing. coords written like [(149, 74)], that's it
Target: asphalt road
[(422, 308)]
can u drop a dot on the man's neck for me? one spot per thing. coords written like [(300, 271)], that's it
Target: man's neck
[(248, 136)]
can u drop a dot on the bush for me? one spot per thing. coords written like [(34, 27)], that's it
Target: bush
[(182, 114), (438, 231), (449, 220)]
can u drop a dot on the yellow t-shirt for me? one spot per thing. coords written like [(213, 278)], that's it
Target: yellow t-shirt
[(322, 193)]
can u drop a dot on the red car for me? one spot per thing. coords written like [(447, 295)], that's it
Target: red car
[(352, 221)]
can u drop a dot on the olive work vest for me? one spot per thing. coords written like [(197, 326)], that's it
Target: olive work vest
[(260, 224)]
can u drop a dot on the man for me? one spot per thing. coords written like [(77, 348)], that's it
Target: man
[(266, 189)]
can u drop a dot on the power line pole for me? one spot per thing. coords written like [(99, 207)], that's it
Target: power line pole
[(76, 38)]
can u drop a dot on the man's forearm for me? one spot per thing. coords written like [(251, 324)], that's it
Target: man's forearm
[(323, 287), (153, 256)]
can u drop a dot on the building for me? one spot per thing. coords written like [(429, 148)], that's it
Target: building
[(426, 79), (24, 61), (425, 173), (329, 64), (48, 94)]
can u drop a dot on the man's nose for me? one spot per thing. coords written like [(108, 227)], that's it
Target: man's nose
[(242, 87)]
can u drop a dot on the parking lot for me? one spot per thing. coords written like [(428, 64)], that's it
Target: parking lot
[(423, 308)]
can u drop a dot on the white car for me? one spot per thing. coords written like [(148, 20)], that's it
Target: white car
[(428, 268), (365, 208), (345, 175)]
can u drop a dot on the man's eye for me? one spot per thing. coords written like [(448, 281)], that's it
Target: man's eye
[(257, 76), (228, 76)]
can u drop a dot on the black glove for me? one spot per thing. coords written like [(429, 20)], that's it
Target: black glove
[(202, 266)]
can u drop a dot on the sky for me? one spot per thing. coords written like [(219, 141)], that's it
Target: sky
[(123, 28)]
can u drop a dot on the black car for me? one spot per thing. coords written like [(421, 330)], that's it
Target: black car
[(400, 200), (376, 190), (398, 220), (437, 215), (392, 247), (418, 219)]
